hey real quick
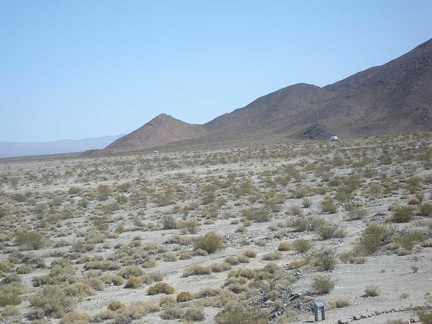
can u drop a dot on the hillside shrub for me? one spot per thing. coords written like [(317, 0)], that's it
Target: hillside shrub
[(323, 284), (210, 242)]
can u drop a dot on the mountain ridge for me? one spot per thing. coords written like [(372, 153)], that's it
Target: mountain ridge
[(395, 97)]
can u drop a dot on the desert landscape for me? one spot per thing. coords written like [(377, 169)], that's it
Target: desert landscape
[(245, 232)]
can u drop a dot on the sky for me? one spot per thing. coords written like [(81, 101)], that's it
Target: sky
[(74, 69)]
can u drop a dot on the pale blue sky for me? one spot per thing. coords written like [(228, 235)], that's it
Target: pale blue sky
[(86, 68)]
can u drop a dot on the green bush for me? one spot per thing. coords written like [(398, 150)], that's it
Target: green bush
[(402, 215), (324, 259), (426, 209), (328, 206), (370, 241), (257, 215), (30, 240), (210, 242), (302, 245), (9, 295), (323, 284)]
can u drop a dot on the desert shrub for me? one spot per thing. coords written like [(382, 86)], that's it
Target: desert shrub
[(172, 313), (250, 253), (75, 318), (168, 222), (426, 209), (103, 192), (131, 271), (324, 259), (184, 296), (306, 202), (298, 263), (10, 310), (169, 257), (30, 240), (284, 246), (244, 273), (243, 259), (425, 314), (341, 303), (136, 311), (210, 242), (351, 257), (233, 260), (272, 256), (371, 240), (53, 301), (408, 240), (302, 245), (197, 270), (235, 313), (304, 223), (160, 288), (372, 291), (193, 314), (356, 213), (113, 279), (25, 269), (9, 295), (133, 282), (220, 267), (326, 230), (6, 266), (323, 284), (188, 226), (328, 206), (402, 215), (256, 215), (115, 306)]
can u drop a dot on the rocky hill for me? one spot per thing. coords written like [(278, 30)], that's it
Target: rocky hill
[(161, 130), (392, 98)]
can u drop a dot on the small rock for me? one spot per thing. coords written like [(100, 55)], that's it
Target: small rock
[(357, 317)]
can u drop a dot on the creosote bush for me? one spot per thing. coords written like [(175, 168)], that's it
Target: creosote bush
[(210, 242), (30, 240), (323, 284), (402, 215)]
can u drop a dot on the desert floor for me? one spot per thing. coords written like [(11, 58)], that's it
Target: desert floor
[(243, 234)]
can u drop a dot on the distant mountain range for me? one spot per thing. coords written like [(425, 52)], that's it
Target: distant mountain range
[(392, 98), (19, 149)]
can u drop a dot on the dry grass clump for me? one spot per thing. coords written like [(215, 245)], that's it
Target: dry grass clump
[(197, 270), (285, 246), (161, 288), (75, 318), (184, 296), (372, 291), (236, 313), (133, 282)]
